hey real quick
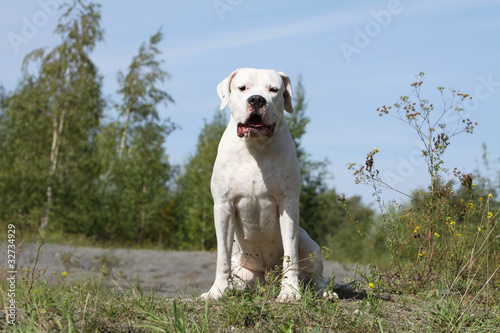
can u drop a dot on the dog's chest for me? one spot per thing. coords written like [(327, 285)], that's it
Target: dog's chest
[(257, 214), (241, 175), (254, 189)]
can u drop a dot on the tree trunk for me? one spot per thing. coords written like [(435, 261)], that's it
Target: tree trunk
[(54, 153), (143, 213), (124, 134)]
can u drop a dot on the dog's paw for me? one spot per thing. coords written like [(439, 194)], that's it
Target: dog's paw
[(210, 295), (214, 293), (288, 296), (331, 296)]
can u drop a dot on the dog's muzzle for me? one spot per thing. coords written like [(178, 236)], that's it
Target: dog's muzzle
[(255, 126)]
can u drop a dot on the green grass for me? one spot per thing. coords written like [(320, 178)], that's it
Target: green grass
[(89, 306)]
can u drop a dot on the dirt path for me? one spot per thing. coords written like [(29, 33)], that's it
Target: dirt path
[(169, 273)]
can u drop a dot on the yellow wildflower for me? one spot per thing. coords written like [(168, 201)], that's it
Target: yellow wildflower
[(371, 285), (490, 215), (481, 199), (452, 222), (473, 184), (490, 195), (436, 234), (376, 150), (64, 273), (478, 228), (416, 229), (458, 235), (471, 204)]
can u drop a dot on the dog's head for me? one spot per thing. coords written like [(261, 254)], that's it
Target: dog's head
[(256, 98)]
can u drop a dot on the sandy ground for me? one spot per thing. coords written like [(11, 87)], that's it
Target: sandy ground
[(169, 273)]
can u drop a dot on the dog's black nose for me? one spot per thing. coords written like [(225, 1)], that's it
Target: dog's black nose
[(257, 101)]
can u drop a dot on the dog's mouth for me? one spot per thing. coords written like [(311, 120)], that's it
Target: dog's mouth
[(255, 127)]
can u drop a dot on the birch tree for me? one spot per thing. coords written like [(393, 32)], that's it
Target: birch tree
[(48, 121), (142, 169), (139, 87), (69, 80)]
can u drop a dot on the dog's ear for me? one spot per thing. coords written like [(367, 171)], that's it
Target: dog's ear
[(223, 89), (287, 95)]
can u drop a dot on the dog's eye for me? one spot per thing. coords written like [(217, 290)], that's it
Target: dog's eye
[(242, 88), (273, 90)]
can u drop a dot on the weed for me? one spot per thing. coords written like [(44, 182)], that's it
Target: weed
[(444, 238)]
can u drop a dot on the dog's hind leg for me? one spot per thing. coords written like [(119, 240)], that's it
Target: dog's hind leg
[(311, 262), (244, 277)]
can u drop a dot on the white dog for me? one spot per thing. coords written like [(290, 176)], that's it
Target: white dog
[(256, 188)]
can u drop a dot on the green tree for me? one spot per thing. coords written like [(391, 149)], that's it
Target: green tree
[(193, 199), (53, 115), (23, 170), (141, 185), (313, 173), (139, 89), (134, 169)]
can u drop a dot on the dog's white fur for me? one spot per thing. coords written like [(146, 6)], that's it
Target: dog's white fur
[(256, 188)]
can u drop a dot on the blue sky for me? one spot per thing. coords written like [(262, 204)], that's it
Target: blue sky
[(353, 58)]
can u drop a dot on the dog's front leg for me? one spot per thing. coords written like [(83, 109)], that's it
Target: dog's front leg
[(289, 227), (224, 229)]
